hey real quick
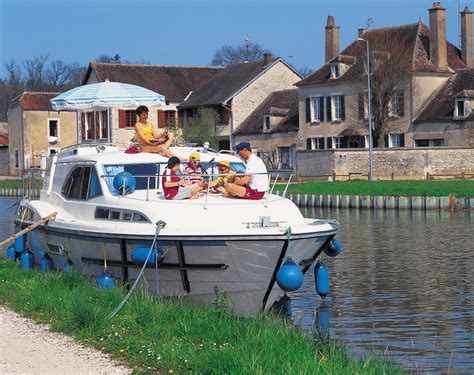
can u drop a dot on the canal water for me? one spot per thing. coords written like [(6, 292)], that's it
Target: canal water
[(402, 289)]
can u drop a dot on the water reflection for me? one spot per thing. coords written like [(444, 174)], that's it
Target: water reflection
[(403, 286)]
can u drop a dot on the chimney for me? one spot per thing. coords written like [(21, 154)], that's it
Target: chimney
[(360, 32), (332, 39), (466, 37), (267, 58), (438, 50)]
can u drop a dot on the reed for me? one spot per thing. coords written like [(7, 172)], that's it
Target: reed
[(150, 334)]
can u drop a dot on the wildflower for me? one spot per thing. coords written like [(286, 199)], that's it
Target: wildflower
[(116, 333), (103, 348), (121, 350), (170, 371)]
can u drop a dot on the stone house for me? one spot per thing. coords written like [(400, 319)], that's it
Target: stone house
[(333, 113), (272, 129), (34, 129), (174, 82), (236, 91), (4, 167)]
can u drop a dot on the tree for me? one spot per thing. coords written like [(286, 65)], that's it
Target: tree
[(390, 66), (228, 54), (110, 59), (305, 71), (202, 128), (36, 73)]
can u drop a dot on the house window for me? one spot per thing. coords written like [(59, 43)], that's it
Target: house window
[(170, 119), (285, 157), (53, 130), (337, 142), (460, 109), (315, 144), (318, 106), (266, 123), (127, 118), (53, 151), (363, 105), (337, 106), (95, 125), (17, 158), (395, 107), (429, 142), (396, 140), (335, 70)]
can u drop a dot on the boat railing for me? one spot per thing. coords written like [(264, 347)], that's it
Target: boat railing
[(150, 178)]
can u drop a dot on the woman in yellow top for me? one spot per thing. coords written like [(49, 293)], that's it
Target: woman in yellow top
[(148, 138)]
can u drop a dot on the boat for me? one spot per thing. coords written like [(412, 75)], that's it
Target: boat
[(210, 246)]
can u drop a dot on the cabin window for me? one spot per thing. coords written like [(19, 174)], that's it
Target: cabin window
[(82, 183), (121, 215)]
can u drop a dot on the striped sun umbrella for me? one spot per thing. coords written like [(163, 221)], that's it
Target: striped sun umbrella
[(106, 95)]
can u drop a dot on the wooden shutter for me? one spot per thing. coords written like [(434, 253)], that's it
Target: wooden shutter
[(385, 140), (83, 126), (402, 140), (328, 108), (343, 108), (401, 103), (122, 115), (308, 143), (329, 142), (321, 108), (308, 110), (161, 119)]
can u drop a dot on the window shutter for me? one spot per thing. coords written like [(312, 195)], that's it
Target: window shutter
[(329, 142), (122, 115), (161, 119), (308, 143), (360, 100), (321, 108), (402, 140), (385, 140), (328, 108), (343, 108), (83, 126), (308, 110), (401, 103)]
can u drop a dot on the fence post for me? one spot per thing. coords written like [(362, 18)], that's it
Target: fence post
[(427, 175), (392, 176)]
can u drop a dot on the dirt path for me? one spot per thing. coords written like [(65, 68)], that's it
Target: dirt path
[(29, 348)]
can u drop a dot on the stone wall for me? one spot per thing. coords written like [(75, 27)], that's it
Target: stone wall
[(4, 165), (387, 163)]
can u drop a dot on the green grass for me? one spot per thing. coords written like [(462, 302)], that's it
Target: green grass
[(459, 188), (150, 335), (10, 184)]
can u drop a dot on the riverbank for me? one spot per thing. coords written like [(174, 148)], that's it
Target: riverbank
[(398, 188), (171, 336)]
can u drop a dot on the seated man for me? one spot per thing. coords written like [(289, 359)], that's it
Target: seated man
[(255, 182), (193, 171), (226, 175), (175, 187)]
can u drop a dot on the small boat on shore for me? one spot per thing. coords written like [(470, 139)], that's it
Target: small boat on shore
[(110, 210)]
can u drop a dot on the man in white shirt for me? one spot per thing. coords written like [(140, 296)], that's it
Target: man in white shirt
[(254, 184)]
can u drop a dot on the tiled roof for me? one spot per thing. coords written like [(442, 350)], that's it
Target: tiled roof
[(441, 107), (416, 42), (174, 82), (3, 139), (227, 83), (282, 103), (35, 101)]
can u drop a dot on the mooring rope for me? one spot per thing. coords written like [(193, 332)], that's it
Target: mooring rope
[(159, 225)]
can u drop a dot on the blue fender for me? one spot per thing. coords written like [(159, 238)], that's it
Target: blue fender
[(321, 279), (289, 277)]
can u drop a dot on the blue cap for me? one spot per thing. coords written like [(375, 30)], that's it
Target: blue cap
[(243, 145)]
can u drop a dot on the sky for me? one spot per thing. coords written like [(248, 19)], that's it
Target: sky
[(188, 32)]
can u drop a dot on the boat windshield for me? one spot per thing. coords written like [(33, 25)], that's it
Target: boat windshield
[(141, 172)]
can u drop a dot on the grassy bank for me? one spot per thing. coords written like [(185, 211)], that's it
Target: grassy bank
[(459, 188), (10, 184), (171, 336)]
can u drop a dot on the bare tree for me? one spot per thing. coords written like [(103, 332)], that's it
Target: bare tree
[(58, 75), (36, 73), (228, 54), (110, 59), (390, 62), (305, 71)]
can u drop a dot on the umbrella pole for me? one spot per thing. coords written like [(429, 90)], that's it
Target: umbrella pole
[(109, 127)]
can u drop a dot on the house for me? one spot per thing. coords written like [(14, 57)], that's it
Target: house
[(4, 167), (272, 129), (174, 82), (34, 129), (333, 104), (236, 91)]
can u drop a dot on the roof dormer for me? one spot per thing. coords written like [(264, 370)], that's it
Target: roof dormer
[(463, 102), (341, 64)]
